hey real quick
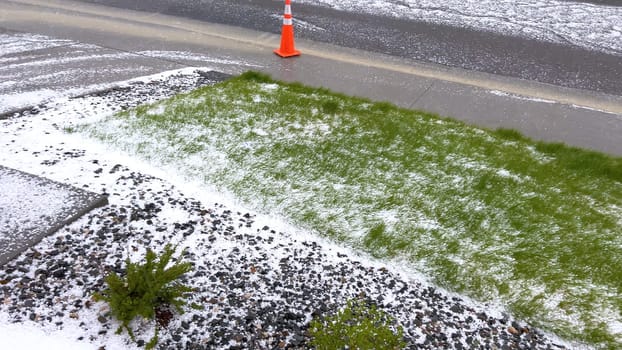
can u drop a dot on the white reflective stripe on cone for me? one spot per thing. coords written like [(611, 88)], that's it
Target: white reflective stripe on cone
[(288, 9), (287, 22)]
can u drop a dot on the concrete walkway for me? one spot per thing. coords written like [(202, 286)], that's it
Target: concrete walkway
[(32, 207)]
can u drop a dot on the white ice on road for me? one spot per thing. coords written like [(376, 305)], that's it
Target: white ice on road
[(30, 76), (22, 42), (595, 27)]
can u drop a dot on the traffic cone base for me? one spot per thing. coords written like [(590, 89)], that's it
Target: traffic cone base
[(287, 48), (287, 54)]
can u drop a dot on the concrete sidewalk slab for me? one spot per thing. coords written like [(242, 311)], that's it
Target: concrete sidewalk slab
[(32, 208)]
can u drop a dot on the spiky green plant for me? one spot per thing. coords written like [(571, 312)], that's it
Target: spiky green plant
[(144, 288)]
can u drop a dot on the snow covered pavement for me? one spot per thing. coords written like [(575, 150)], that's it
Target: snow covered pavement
[(35, 69), (595, 27), (33, 207)]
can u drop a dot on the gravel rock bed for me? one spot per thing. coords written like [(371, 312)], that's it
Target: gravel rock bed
[(259, 280)]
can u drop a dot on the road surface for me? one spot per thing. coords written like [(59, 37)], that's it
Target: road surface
[(559, 63)]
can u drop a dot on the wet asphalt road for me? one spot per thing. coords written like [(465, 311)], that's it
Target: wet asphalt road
[(557, 64)]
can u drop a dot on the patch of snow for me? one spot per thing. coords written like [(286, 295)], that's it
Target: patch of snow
[(158, 109), (269, 87), (518, 97), (32, 77), (31, 336), (596, 27), (17, 100), (14, 207), (505, 173), (427, 224), (74, 59), (11, 44), (260, 132), (189, 56)]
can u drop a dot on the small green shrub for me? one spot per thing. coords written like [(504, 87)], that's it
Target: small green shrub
[(256, 77), (510, 134), (383, 107), (330, 107), (358, 326), (144, 289)]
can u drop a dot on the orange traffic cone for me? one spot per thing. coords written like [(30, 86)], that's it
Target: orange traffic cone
[(287, 48)]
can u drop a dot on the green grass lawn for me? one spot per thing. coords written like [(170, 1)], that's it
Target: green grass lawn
[(491, 214)]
